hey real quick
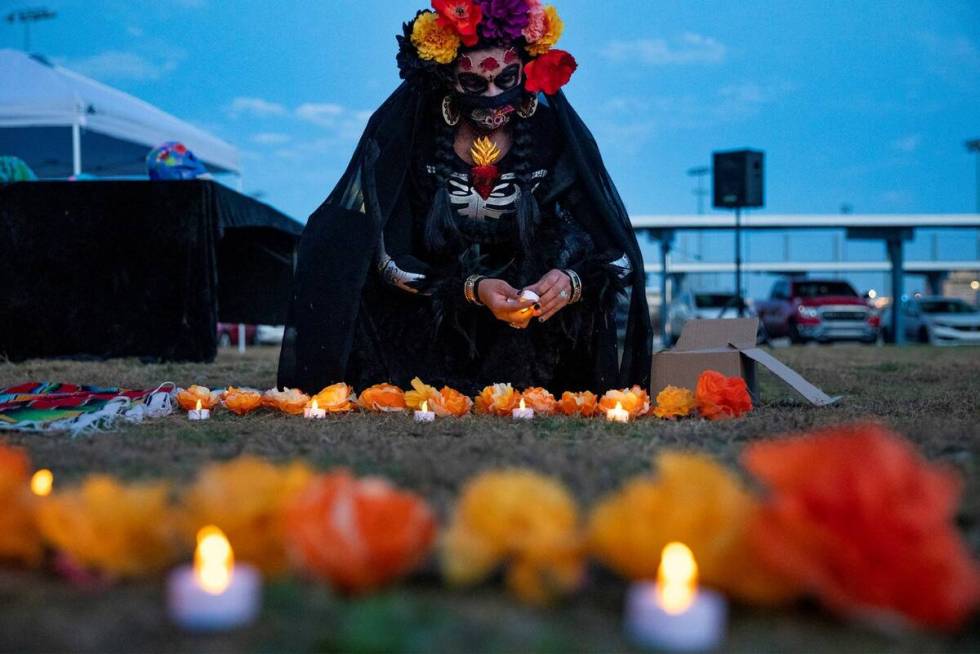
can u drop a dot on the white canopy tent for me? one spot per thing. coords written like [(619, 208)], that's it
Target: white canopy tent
[(62, 123)]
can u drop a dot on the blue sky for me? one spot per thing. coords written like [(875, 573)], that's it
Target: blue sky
[(858, 102)]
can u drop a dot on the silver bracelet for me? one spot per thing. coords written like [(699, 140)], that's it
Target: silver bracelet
[(469, 289), (576, 285)]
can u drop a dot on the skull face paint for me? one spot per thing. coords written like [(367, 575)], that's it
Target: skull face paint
[(488, 85)]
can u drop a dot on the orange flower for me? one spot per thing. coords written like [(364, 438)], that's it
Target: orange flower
[(241, 400), (674, 402), (420, 392), (497, 399), (539, 399), (382, 397), (582, 404), (697, 502), (450, 402), (721, 397), (288, 400), (635, 400), (336, 398), (188, 399), (122, 530), (859, 518), (19, 537), (358, 534), (244, 498)]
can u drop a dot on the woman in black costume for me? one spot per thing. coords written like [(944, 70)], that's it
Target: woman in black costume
[(473, 183)]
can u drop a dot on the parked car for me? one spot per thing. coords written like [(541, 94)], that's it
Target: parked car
[(818, 310), (269, 334), (688, 305), (939, 321), (228, 334)]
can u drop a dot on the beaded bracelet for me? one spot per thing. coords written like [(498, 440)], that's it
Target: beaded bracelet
[(576, 285)]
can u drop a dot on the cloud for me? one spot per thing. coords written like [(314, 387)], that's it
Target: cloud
[(120, 65), (908, 143), (258, 107), (271, 138), (322, 114), (688, 48)]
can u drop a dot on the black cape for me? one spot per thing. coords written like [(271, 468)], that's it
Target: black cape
[(339, 245)]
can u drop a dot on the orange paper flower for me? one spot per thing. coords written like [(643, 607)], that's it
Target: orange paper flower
[(122, 530), (635, 400), (720, 397), (289, 400), (522, 519), (19, 538), (188, 399), (358, 534), (674, 402), (336, 398), (244, 498), (583, 404), (241, 400), (498, 399), (382, 397), (541, 400), (450, 402), (859, 518)]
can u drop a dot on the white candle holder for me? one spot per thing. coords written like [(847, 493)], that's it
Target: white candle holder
[(198, 414), (618, 414), (423, 414), (522, 412), (193, 608)]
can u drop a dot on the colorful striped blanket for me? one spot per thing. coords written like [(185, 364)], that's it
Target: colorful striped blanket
[(49, 406)]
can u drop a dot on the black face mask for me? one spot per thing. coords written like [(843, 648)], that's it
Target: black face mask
[(490, 112)]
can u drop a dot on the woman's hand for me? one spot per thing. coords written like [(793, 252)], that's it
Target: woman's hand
[(555, 290), (505, 303)]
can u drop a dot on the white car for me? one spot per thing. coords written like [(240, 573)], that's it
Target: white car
[(269, 334), (940, 321), (688, 305)]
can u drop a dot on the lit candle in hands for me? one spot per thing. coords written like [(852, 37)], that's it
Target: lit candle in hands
[(522, 412), (198, 413), (674, 614), (422, 414)]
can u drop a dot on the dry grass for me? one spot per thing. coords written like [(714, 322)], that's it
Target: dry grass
[(932, 395)]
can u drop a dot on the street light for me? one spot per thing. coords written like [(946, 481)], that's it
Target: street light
[(26, 17), (974, 147)]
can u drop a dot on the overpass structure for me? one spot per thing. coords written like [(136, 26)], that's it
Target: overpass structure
[(893, 229)]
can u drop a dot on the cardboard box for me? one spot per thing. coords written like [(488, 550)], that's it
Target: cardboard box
[(728, 346)]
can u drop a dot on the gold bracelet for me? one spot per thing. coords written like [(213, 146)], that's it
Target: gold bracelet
[(576, 285), (469, 289)]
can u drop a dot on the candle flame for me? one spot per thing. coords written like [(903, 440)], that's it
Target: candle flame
[(313, 404), (41, 482), (619, 406), (523, 406), (425, 405), (213, 560), (677, 578), (198, 407)]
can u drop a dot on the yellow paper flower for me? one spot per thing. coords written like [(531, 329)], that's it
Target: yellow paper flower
[(241, 400), (553, 29), (432, 40), (497, 399), (541, 400), (288, 400), (382, 397), (19, 538), (244, 499), (336, 398), (122, 530), (519, 518), (635, 400), (692, 500), (674, 402), (420, 392), (444, 403), (188, 398)]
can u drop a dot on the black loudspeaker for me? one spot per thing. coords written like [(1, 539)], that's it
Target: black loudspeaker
[(738, 179)]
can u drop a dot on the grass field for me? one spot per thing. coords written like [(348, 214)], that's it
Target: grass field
[(932, 395)]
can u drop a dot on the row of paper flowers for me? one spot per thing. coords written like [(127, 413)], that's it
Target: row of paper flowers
[(851, 515), (714, 397)]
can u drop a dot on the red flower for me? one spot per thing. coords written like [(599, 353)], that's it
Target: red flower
[(462, 16), (858, 518), (721, 397), (549, 72)]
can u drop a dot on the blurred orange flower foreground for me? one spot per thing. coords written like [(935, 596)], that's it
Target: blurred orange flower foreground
[(866, 524), (19, 537), (358, 534)]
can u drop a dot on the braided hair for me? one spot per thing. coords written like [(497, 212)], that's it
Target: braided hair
[(440, 228)]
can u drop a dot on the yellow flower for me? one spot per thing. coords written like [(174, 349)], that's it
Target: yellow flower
[(674, 402), (244, 498), (122, 530), (420, 392), (19, 537), (432, 40), (495, 522), (552, 33), (697, 502)]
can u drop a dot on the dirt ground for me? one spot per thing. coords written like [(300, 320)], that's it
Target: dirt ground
[(930, 394)]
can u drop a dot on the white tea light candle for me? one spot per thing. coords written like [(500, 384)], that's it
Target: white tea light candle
[(215, 593), (314, 412), (422, 414), (618, 414), (522, 412), (198, 413), (673, 614)]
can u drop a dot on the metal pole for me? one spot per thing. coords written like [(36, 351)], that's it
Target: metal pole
[(241, 338), (666, 237), (738, 260), (896, 256), (76, 148)]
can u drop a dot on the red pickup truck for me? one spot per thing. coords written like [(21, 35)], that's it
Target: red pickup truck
[(818, 310)]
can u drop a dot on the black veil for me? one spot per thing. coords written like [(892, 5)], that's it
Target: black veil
[(339, 244)]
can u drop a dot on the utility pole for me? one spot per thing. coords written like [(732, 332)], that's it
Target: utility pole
[(974, 147), (26, 17)]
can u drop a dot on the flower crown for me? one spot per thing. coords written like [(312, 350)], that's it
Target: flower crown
[(431, 41)]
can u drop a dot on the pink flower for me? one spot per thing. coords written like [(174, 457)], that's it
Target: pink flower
[(537, 24)]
